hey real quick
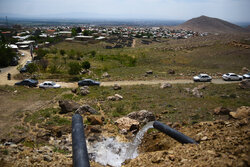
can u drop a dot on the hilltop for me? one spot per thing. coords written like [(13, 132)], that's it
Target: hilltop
[(209, 24)]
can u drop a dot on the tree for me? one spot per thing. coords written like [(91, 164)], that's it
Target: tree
[(74, 68), (6, 55), (73, 32), (31, 68), (87, 32), (86, 65), (78, 30)]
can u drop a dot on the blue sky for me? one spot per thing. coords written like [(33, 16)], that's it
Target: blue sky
[(231, 10)]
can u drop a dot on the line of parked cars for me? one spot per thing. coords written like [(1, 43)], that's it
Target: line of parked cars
[(225, 77), (51, 84), (34, 83)]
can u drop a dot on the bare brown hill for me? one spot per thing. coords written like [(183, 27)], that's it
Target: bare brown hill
[(248, 28), (212, 25)]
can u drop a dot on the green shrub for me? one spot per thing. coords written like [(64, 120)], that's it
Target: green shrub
[(40, 53), (32, 67), (62, 52), (53, 69), (86, 65), (74, 68), (71, 54)]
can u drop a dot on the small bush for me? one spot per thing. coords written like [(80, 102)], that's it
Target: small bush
[(54, 69), (62, 52), (74, 68), (40, 53), (32, 67), (86, 65), (71, 54)]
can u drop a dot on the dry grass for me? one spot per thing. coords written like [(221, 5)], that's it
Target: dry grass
[(210, 54)]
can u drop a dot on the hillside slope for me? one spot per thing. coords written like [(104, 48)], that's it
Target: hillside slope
[(209, 24), (248, 28)]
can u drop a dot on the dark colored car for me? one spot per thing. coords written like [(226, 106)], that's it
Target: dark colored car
[(28, 82), (88, 82), (14, 61), (23, 70)]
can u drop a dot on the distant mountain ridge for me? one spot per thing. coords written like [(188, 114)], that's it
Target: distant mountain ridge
[(212, 25)]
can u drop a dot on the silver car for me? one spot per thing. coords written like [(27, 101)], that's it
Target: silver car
[(232, 77), (49, 84), (202, 78), (246, 76)]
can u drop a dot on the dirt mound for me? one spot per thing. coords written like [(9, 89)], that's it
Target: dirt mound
[(213, 25), (221, 143)]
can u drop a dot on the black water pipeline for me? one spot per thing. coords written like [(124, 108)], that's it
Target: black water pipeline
[(80, 152), (180, 137)]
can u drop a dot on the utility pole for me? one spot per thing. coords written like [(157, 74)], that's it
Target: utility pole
[(31, 51), (7, 24)]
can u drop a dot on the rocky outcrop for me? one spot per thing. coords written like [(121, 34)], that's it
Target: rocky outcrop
[(171, 71), (95, 120), (221, 111), (127, 124), (245, 70), (165, 85), (116, 97), (86, 109), (142, 116), (117, 87), (202, 86), (68, 106), (84, 91), (149, 72), (105, 75), (197, 93), (244, 84), (241, 113)]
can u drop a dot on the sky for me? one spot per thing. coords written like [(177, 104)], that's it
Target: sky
[(230, 10)]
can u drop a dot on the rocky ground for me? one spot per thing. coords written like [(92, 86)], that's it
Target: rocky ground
[(224, 142)]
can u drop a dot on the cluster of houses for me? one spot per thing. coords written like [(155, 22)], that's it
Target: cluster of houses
[(120, 36)]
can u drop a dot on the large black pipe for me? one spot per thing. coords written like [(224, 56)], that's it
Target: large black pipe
[(80, 152), (180, 137)]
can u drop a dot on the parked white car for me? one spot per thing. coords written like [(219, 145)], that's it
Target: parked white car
[(49, 84), (232, 77), (202, 78), (246, 76)]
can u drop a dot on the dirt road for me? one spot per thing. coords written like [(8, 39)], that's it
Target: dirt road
[(154, 82), (134, 42), (13, 69)]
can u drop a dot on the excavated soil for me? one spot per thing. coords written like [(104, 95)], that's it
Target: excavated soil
[(221, 143)]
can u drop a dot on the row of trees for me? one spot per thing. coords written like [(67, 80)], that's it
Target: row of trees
[(74, 67)]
